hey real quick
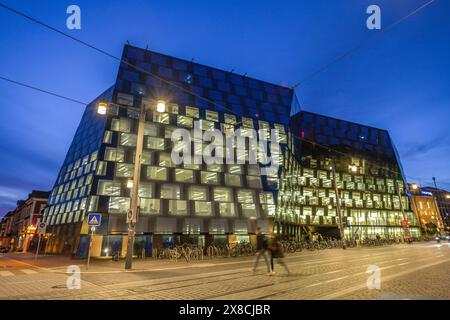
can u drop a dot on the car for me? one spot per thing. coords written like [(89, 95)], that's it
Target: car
[(4, 249)]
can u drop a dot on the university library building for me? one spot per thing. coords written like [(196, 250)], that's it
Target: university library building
[(219, 203)]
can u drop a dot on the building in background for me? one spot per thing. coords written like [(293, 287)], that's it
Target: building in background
[(442, 198), (6, 224), (215, 203), (427, 210), (26, 217)]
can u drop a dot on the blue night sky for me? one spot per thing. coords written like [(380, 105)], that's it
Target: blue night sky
[(400, 82)]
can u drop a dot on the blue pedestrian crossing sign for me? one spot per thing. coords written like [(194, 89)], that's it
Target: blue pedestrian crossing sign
[(94, 219)]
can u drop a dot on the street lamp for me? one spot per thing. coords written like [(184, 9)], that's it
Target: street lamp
[(161, 106), (414, 186), (102, 107), (353, 168), (130, 184), (133, 184), (338, 207)]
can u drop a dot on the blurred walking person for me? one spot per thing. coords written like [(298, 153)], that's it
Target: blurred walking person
[(278, 254), (261, 250)]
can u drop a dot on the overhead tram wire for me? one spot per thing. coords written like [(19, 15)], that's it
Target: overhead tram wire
[(43, 91), (186, 90), (114, 57), (361, 44)]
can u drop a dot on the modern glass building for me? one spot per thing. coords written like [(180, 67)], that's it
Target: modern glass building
[(214, 203), (369, 179)]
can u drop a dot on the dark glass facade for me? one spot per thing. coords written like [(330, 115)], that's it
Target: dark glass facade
[(368, 175)]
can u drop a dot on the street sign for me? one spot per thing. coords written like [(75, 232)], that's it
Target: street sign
[(42, 226), (94, 219), (131, 218)]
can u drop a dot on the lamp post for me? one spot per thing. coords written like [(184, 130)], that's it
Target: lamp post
[(405, 217), (338, 206), (132, 215)]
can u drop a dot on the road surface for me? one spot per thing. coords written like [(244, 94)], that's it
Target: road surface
[(418, 271)]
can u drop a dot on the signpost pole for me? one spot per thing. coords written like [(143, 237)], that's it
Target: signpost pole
[(132, 218), (94, 220), (90, 245), (38, 245)]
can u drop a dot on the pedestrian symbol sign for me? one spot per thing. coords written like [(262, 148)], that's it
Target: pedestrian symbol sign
[(42, 227), (131, 217), (94, 219)]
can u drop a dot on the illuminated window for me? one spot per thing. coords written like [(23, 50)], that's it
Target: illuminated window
[(146, 190), (124, 170), (206, 125), (108, 188), (147, 157), (192, 166), (118, 205), (253, 170), (115, 154), (254, 182), (173, 108), (155, 143), (280, 128), (122, 124), (183, 175), (263, 125), (149, 206), (212, 115), (247, 122), (165, 160), (266, 198), (228, 130), (248, 210), (245, 196), (202, 208), (178, 207), (128, 139), (227, 209), (161, 117), (233, 180), (192, 112), (198, 193), (230, 119), (107, 138), (156, 173), (223, 195), (235, 169), (215, 167), (209, 177), (186, 122), (101, 168), (170, 191), (150, 129)]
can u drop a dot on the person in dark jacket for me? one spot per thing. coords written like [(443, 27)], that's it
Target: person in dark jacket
[(261, 250), (278, 254)]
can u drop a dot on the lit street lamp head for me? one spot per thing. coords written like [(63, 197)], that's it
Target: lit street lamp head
[(130, 184), (161, 106), (102, 107)]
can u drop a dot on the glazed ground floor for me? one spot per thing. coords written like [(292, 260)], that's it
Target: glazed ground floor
[(297, 232), (111, 237)]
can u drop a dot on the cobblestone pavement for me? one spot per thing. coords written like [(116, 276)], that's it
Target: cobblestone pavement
[(419, 271)]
